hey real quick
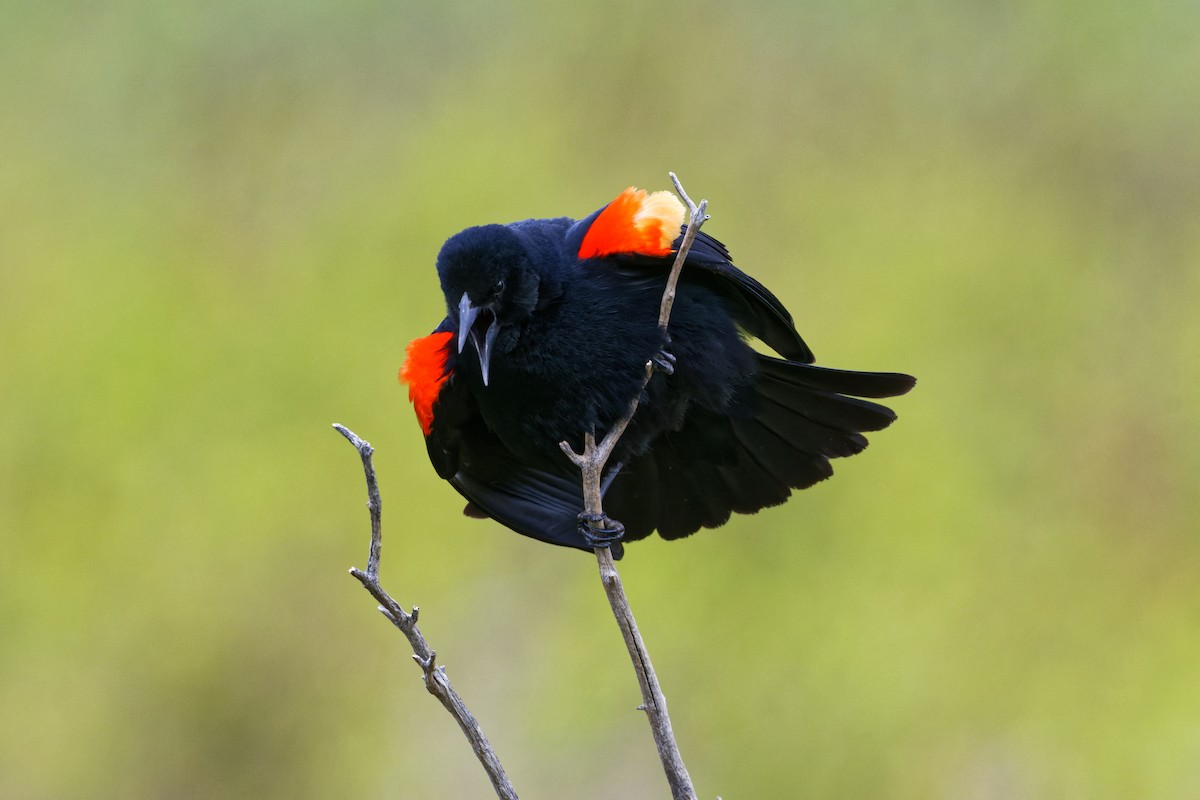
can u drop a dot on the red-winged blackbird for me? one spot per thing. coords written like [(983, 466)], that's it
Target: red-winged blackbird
[(562, 318)]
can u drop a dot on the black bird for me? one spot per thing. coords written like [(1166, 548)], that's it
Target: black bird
[(549, 326)]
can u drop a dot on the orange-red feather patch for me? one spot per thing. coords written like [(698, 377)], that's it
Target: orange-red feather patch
[(424, 371), (636, 222)]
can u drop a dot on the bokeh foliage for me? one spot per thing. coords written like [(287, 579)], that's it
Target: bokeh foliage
[(217, 227)]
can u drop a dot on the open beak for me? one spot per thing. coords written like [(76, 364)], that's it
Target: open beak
[(467, 314)]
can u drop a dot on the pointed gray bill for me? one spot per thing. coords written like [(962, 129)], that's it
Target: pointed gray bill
[(468, 312)]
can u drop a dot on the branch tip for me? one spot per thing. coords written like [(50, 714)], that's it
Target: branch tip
[(439, 686), (576, 458), (364, 447)]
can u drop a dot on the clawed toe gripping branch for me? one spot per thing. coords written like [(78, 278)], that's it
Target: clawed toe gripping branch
[(597, 528)]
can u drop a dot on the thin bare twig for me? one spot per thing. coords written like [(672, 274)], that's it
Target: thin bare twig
[(591, 463), (696, 218), (434, 674)]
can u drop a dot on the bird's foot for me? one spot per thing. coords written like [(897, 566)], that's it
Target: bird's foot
[(600, 531), (663, 362)]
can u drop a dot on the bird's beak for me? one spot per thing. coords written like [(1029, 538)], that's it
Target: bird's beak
[(468, 312)]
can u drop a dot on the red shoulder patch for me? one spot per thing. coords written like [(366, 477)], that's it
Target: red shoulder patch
[(425, 371), (636, 222)]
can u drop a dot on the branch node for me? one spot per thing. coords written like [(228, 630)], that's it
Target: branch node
[(426, 664)]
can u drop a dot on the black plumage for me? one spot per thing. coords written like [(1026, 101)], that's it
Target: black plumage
[(546, 337)]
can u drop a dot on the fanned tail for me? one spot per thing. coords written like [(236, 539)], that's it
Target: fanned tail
[(780, 436)]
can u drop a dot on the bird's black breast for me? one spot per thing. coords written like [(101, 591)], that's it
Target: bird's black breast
[(578, 364)]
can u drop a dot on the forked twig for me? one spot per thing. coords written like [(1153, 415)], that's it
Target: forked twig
[(591, 463), (434, 674)]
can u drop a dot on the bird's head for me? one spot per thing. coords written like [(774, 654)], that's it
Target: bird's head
[(490, 287)]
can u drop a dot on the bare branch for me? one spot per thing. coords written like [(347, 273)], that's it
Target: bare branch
[(591, 463), (696, 218), (374, 505), (434, 675)]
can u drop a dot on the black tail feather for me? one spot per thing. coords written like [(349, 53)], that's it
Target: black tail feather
[(778, 437), (839, 381), (825, 408), (804, 433), (792, 467)]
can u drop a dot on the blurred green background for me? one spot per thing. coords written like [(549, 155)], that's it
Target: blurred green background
[(217, 230)]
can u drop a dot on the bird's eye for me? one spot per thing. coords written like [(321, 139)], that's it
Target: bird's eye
[(498, 287)]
